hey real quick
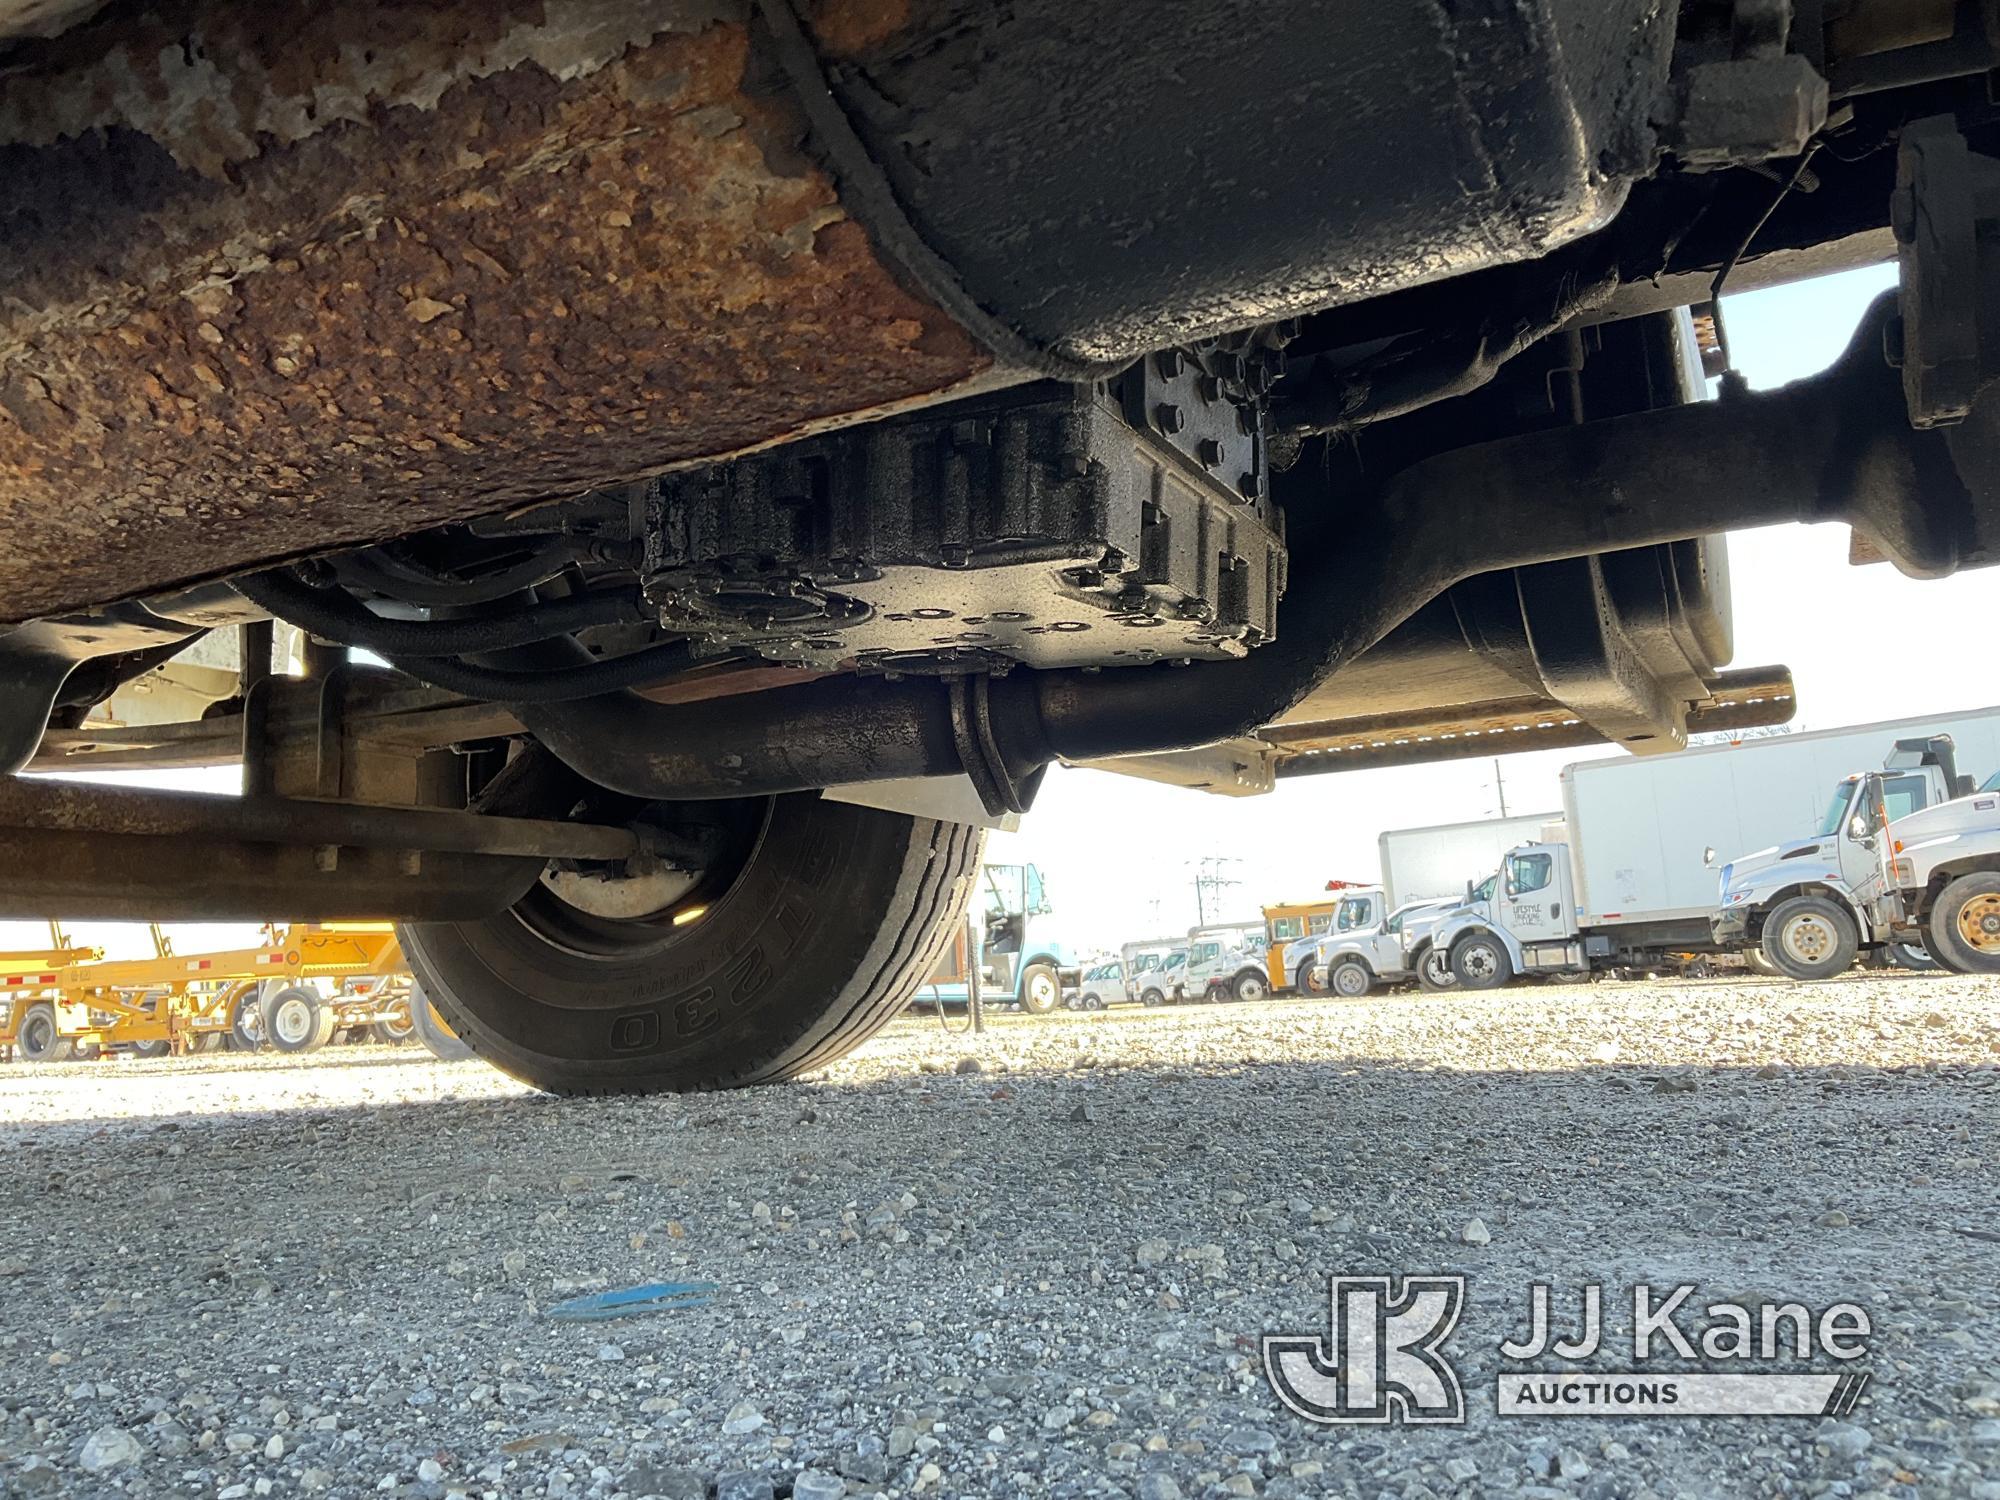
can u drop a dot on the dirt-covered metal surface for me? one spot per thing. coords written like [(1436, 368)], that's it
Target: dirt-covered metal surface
[(284, 276)]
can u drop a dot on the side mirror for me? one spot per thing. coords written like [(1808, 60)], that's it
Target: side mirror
[(1857, 829), (1468, 893), (1708, 855)]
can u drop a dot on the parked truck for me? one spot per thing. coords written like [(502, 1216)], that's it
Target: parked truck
[(1018, 962), (1628, 879), (1374, 945), (1433, 863), (1939, 882), (1226, 960), (1800, 904)]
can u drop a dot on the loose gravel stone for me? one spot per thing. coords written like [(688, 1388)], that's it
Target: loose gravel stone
[(1045, 1277)]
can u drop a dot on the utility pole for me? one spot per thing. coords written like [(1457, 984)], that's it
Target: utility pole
[(1209, 881), (1500, 785)]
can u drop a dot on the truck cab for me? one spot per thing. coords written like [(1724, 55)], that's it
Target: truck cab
[(1017, 962), (1804, 905), (1939, 882), (1225, 959), (1388, 951), (1522, 919)]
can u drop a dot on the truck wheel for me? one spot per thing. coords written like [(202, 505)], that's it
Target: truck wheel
[(246, 1021), (1041, 989), (40, 1037), (1934, 947), (1758, 962), (1090, 1000), (1965, 921), (1479, 961), (1152, 997), (1251, 985), (1434, 970), (1308, 980), (812, 925), (201, 1043), (1810, 937), (1912, 956), (297, 1020), (1350, 979), (430, 1029), (158, 1047), (395, 1028)]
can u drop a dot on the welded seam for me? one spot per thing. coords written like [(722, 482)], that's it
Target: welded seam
[(867, 194)]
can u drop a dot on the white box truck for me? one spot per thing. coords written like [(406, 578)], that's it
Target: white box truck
[(1434, 863), (1633, 877)]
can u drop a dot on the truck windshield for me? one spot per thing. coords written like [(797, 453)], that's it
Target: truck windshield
[(1836, 811), (1484, 890), (1145, 963)]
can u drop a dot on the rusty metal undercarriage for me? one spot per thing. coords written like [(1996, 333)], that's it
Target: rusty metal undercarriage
[(1000, 370)]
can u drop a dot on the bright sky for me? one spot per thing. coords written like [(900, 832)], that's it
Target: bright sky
[(1119, 855)]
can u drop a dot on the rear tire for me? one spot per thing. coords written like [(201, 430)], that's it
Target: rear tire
[(1480, 961), (1811, 938), (246, 1021), (1041, 989), (430, 1029), (39, 1037), (297, 1020), (1965, 921), (202, 1043), (1936, 949), (1760, 963), (812, 934), (1350, 979), (1911, 956), (1434, 971)]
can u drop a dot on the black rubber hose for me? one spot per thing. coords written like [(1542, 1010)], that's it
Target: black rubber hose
[(586, 677), (336, 615)]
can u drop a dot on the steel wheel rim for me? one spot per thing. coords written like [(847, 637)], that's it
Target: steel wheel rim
[(1350, 982), (1808, 939), (292, 1021), (1041, 990), (1251, 989), (1978, 924), (1480, 962)]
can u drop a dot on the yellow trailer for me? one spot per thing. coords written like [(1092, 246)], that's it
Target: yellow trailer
[(192, 1003)]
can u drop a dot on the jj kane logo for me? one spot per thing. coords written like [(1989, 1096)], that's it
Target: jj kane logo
[(1383, 1357)]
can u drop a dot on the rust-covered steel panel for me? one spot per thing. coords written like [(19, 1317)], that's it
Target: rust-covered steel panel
[(283, 276)]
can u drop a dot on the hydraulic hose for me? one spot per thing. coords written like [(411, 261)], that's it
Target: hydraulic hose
[(336, 615)]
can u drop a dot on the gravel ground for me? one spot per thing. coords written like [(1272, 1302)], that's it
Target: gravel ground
[(1031, 1263)]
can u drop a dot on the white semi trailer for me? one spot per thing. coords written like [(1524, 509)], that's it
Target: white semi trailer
[(1633, 876)]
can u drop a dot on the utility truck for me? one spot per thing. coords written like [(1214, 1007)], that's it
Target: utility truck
[(1432, 863), (1018, 962), (1378, 946), (1628, 879), (1939, 881), (1225, 960), (1800, 904)]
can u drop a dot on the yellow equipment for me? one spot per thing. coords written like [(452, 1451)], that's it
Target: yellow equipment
[(1285, 924), (72, 1001)]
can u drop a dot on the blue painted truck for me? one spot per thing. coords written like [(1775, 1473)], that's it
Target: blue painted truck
[(1021, 965)]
